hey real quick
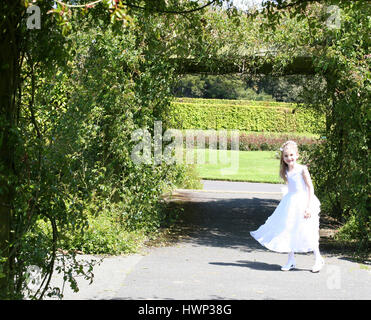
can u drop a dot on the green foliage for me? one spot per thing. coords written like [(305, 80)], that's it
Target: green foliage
[(113, 93), (188, 178), (65, 163), (104, 234), (289, 88), (2, 262), (77, 187), (243, 115), (217, 87), (340, 166)]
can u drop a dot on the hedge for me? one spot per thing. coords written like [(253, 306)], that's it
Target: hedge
[(234, 102), (258, 116)]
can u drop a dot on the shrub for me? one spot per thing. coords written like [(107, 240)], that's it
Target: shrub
[(258, 116), (104, 235)]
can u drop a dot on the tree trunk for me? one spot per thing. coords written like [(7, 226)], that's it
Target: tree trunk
[(10, 22)]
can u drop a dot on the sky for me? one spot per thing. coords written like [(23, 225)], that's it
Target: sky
[(245, 4)]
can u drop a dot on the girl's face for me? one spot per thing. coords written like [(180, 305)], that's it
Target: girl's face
[(290, 155)]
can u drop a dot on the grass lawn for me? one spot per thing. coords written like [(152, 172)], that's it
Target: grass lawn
[(252, 166)]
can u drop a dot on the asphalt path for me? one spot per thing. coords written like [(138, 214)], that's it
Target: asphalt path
[(216, 258)]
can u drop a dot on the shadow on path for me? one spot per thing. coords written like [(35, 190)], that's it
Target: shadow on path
[(262, 266), (250, 264), (226, 223), (215, 257), (225, 220)]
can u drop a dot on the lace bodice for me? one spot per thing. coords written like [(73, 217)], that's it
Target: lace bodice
[(295, 179)]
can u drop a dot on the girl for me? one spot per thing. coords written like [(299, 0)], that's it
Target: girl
[(294, 225)]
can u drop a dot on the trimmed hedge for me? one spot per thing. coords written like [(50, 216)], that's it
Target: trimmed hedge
[(258, 116)]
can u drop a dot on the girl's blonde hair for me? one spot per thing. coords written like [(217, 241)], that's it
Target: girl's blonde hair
[(283, 166)]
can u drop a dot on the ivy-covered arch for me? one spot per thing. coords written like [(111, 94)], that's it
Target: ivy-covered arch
[(285, 37)]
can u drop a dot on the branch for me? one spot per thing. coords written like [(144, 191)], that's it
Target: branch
[(189, 11), (293, 4), (49, 273), (31, 103), (78, 5), (284, 5), (136, 6)]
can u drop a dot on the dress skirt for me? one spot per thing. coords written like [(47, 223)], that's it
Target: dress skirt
[(286, 230)]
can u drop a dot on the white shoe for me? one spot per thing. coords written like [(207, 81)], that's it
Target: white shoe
[(289, 265), (318, 265)]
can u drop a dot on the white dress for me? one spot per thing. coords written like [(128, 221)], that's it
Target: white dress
[(286, 230)]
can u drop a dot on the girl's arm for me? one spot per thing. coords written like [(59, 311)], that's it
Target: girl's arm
[(310, 188)]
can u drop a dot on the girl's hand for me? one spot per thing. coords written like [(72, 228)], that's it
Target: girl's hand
[(307, 214)]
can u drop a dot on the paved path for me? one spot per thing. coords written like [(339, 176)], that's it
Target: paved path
[(218, 259)]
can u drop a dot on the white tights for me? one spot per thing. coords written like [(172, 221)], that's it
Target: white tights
[(317, 254)]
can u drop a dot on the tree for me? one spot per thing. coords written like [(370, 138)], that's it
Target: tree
[(31, 51), (10, 43)]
